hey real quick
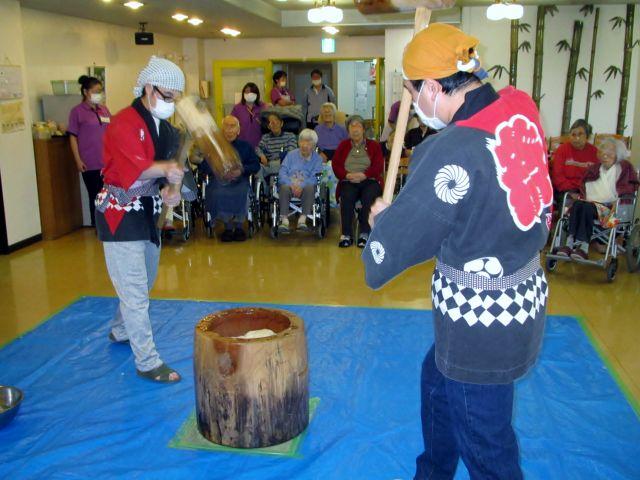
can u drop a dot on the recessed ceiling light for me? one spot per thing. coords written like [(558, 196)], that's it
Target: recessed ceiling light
[(180, 17), (106, 1), (230, 31), (195, 21), (330, 30), (134, 5)]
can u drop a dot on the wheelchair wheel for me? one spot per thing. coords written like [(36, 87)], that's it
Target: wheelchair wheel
[(551, 265), (321, 230), (633, 249), (273, 232), (612, 268)]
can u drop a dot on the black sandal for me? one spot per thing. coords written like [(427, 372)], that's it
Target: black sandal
[(160, 374), (345, 242), (113, 339)]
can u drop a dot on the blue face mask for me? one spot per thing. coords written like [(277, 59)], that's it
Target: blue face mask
[(432, 122)]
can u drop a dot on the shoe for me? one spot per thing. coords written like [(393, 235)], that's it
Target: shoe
[(113, 339), (579, 254), (239, 235), (161, 374), (362, 240), (345, 241), (227, 236), (284, 225), (302, 225), (563, 251)]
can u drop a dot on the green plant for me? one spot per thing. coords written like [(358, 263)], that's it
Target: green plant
[(498, 70), (574, 50), (594, 38)]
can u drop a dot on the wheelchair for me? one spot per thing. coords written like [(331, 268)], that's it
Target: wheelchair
[(255, 219), (320, 210), (624, 238)]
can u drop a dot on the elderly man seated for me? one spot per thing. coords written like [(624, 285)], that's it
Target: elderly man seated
[(298, 180), (603, 184), (330, 134), (227, 198), (275, 145)]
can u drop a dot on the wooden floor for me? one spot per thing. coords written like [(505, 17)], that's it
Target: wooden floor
[(37, 281)]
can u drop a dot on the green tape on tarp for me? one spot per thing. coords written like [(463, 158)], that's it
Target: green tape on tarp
[(189, 438)]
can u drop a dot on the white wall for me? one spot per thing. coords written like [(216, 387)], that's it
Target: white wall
[(494, 49), (59, 47), (17, 164), (394, 43)]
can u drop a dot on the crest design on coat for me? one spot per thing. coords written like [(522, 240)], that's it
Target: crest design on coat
[(377, 251), (489, 267), (521, 166), (451, 184)]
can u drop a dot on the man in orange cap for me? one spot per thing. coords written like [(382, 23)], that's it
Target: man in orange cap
[(478, 198)]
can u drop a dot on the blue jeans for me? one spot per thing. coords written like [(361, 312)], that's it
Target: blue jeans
[(469, 421)]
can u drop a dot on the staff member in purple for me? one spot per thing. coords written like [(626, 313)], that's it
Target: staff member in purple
[(248, 114), (87, 123)]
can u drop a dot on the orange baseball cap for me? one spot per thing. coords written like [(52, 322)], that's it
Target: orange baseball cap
[(439, 51)]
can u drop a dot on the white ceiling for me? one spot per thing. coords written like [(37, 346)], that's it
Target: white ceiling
[(254, 18)]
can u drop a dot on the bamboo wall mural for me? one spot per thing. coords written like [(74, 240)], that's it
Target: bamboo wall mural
[(586, 10), (537, 62), (517, 47), (572, 72), (612, 70)]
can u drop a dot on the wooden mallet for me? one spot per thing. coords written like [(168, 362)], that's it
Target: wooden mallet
[(423, 15)]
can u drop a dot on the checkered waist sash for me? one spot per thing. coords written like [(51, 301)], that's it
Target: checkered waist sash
[(125, 197), (480, 282)]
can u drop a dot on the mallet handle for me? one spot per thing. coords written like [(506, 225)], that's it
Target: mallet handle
[(421, 21)]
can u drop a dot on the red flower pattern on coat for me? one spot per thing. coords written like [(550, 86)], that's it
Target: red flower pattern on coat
[(522, 170)]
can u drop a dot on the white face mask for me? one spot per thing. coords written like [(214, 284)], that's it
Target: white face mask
[(162, 110), (432, 122), (317, 82), (250, 97), (96, 98)]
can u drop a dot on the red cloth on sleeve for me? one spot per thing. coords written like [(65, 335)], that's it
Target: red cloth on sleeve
[(128, 149)]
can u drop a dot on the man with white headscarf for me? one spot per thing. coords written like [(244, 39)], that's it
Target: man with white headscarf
[(139, 146)]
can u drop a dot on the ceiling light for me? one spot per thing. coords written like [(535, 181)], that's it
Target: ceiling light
[(333, 14), (179, 17), (330, 30), (325, 11), (134, 5), (315, 15), (195, 21), (230, 31), (514, 11), (502, 9)]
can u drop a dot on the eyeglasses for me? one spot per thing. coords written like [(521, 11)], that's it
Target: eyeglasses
[(166, 98)]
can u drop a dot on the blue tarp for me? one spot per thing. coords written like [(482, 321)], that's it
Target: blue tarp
[(87, 415)]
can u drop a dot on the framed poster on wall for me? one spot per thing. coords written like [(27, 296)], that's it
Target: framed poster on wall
[(10, 82)]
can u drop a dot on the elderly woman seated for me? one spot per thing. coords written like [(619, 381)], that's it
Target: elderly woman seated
[(227, 198), (572, 159), (275, 145), (602, 186), (329, 133), (298, 180), (358, 165)]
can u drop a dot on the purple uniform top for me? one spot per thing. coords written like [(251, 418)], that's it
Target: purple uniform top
[(250, 129), (330, 138), (277, 93), (394, 111), (88, 126)]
